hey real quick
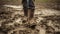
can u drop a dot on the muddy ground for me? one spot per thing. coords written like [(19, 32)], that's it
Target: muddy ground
[(47, 21)]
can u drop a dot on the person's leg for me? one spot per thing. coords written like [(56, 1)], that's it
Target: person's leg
[(32, 9), (25, 9), (25, 15), (25, 12), (31, 13), (31, 16)]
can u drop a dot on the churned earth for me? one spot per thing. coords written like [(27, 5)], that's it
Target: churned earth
[(47, 21)]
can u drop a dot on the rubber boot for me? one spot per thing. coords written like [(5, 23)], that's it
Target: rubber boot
[(31, 14), (26, 12)]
